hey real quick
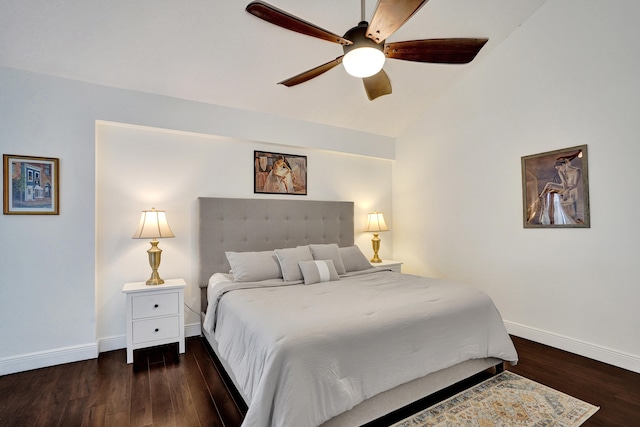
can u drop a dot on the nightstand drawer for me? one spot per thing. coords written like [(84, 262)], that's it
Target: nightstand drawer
[(155, 305), (156, 329)]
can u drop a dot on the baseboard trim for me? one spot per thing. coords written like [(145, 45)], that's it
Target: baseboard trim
[(592, 351), (192, 330), (42, 359), (112, 343)]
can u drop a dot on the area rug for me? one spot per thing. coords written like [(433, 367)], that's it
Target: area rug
[(505, 400)]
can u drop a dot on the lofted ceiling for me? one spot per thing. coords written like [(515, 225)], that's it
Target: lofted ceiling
[(213, 51)]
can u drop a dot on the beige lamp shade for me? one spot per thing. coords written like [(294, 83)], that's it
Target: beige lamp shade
[(376, 224), (153, 225)]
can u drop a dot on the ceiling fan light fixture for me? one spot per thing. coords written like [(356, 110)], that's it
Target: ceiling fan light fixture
[(364, 57), (363, 61)]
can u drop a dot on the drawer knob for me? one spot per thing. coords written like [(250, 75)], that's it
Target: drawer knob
[(157, 329), (155, 306)]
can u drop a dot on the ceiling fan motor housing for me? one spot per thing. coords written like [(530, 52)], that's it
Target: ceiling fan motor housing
[(358, 35)]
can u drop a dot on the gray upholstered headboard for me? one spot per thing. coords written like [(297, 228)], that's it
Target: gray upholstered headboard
[(264, 224)]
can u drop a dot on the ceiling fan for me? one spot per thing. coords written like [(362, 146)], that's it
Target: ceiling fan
[(369, 39)]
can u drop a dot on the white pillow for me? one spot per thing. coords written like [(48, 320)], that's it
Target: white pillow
[(288, 259), (329, 251), (354, 259), (318, 271), (253, 266)]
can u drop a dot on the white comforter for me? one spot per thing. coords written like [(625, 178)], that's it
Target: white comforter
[(304, 354)]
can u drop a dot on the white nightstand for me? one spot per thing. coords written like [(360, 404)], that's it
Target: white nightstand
[(389, 265), (155, 315)]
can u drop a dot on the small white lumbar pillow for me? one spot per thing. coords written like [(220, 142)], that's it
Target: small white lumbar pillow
[(318, 271)]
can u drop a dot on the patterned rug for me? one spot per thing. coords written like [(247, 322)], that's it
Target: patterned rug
[(506, 400)]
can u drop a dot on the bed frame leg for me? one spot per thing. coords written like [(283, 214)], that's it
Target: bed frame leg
[(499, 368)]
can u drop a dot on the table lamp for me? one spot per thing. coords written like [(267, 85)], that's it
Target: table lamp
[(376, 224), (153, 225)]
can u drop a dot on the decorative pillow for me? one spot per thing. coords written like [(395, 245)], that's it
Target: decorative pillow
[(253, 266), (288, 259), (318, 271), (329, 251), (354, 259)]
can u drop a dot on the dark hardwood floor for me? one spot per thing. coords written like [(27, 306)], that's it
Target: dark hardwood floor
[(163, 389), (616, 391)]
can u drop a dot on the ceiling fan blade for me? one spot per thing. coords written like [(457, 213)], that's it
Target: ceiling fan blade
[(391, 15), (377, 85), (310, 74), (441, 51), (285, 20)]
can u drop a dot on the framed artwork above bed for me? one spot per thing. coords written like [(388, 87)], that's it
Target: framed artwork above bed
[(279, 173), (555, 189)]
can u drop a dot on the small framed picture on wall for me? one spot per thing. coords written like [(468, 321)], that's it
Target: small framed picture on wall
[(555, 189), (278, 173), (30, 185)]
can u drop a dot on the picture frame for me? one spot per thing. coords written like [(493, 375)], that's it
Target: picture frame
[(31, 185), (279, 173), (555, 189)]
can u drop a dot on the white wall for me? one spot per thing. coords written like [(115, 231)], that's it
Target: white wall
[(567, 77), (139, 168), (50, 306)]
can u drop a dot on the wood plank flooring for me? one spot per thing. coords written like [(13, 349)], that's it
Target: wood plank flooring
[(162, 388), (616, 391)]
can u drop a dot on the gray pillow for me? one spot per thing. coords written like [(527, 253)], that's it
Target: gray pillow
[(329, 251), (354, 259), (318, 271), (288, 259), (253, 266)]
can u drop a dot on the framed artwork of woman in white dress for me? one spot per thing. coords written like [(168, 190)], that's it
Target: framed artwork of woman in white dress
[(278, 173), (555, 187)]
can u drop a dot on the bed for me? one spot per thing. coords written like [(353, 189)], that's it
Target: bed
[(352, 344)]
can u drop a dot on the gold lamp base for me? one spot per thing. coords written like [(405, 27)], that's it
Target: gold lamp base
[(154, 261), (375, 242)]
